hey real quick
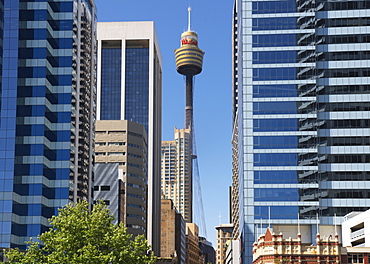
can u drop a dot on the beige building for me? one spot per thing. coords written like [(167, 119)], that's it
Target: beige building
[(272, 248), (192, 244), (124, 143), (173, 242), (224, 234), (177, 172)]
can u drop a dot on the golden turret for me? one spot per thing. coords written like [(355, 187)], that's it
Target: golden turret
[(189, 58)]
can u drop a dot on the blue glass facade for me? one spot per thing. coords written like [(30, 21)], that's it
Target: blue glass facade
[(301, 91), (111, 61), (137, 85), (46, 122)]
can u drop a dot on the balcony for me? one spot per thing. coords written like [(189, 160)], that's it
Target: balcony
[(357, 234)]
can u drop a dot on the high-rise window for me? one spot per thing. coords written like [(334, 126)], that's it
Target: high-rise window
[(111, 56), (137, 83)]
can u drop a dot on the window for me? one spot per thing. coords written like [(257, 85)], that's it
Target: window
[(105, 188), (116, 132), (116, 143), (116, 153), (355, 258)]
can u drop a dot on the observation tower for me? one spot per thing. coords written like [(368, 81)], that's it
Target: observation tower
[(189, 61)]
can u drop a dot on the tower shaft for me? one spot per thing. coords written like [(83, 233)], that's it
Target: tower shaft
[(189, 101)]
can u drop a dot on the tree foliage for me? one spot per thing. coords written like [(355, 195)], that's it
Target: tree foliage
[(77, 236)]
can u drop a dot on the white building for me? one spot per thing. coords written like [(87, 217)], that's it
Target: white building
[(356, 229)]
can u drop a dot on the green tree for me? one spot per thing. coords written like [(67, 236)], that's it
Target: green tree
[(77, 236)]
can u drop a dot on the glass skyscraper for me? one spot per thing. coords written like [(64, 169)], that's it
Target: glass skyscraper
[(301, 113), (47, 103), (129, 88)]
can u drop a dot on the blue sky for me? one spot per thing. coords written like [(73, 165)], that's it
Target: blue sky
[(212, 92)]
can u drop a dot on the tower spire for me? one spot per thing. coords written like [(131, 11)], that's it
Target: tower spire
[(189, 11)]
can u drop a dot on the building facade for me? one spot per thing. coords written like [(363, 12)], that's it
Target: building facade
[(223, 236), (356, 229), (233, 252), (176, 182), (130, 88), (300, 99), (123, 186), (207, 252), (193, 255), (173, 239), (271, 248), (47, 100)]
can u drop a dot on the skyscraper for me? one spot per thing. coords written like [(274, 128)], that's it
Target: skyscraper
[(301, 112), (47, 99), (176, 172), (130, 88)]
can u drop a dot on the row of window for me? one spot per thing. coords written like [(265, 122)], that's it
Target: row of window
[(276, 212), (281, 40), (266, 108), (110, 153), (275, 177), (276, 194), (278, 124), (345, 89), (275, 23), (292, 73), (110, 143), (102, 188), (346, 123), (345, 22), (265, 7), (343, 5), (267, 57), (289, 142)]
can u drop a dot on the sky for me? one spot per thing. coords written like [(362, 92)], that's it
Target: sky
[(212, 21)]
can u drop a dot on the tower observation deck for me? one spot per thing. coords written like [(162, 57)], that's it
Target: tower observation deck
[(189, 61)]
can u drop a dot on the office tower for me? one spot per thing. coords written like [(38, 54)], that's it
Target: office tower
[(121, 171), (176, 172), (301, 104), (47, 117), (130, 88), (173, 240)]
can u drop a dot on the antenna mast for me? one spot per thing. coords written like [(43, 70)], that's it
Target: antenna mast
[(189, 11)]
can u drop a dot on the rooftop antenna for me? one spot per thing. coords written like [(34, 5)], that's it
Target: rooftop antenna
[(189, 11), (219, 217)]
